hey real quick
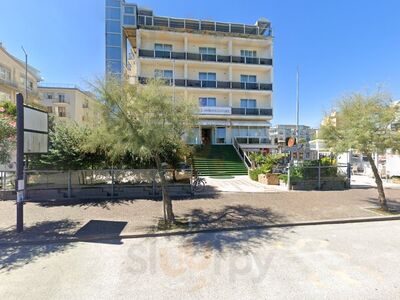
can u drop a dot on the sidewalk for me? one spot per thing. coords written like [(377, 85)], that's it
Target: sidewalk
[(223, 210)]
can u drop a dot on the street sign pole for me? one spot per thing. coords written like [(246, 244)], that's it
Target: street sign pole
[(20, 184)]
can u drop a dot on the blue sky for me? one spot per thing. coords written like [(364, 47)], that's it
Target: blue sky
[(339, 45)]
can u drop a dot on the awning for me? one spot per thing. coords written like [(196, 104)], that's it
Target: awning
[(214, 123)]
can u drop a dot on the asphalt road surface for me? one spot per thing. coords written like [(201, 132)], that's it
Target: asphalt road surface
[(351, 261)]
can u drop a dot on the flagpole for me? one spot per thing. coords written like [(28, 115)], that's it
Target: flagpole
[(297, 110)]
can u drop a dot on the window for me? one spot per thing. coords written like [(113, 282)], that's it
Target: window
[(30, 85), (129, 20), (113, 39), (61, 98), (221, 134), (130, 10), (248, 78), (114, 3), (49, 96), (113, 13), (163, 47), (113, 26), (207, 76), (248, 53), (49, 109), (248, 103), (5, 73), (113, 53), (208, 50), (62, 112), (166, 74), (22, 79), (207, 101)]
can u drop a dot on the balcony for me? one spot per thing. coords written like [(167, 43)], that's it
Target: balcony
[(214, 84), (252, 111), (9, 83), (198, 25), (205, 57)]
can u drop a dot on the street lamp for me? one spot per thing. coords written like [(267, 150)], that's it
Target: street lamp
[(26, 74)]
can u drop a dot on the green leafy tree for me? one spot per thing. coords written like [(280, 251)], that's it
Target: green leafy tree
[(66, 152), (363, 123), (7, 130), (146, 121)]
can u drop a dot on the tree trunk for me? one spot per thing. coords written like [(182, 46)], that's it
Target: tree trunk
[(166, 199), (378, 180)]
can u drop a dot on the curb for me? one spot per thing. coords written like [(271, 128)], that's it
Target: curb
[(94, 238)]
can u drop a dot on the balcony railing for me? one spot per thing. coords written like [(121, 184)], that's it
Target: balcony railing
[(8, 82), (214, 84), (252, 140), (252, 111), (191, 24), (205, 57)]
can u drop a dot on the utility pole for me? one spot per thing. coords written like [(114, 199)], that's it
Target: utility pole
[(297, 111), (26, 74), (173, 80)]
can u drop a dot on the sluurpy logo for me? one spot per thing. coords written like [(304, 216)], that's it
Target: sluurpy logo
[(183, 266)]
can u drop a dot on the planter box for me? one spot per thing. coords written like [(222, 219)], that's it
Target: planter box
[(270, 179)]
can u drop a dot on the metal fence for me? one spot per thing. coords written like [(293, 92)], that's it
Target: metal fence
[(306, 177), (108, 183)]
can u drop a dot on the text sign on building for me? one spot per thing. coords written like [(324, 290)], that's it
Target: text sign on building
[(36, 130), (213, 110)]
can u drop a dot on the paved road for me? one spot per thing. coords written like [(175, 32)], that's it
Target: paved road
[(352, 261)]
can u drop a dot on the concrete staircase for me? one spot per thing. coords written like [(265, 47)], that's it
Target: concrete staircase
[(218, 161)]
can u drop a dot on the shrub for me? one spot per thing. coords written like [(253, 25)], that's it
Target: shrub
[(254, 173), (283, 177)]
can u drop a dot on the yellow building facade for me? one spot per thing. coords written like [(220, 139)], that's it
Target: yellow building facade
[(12, 78), (70, 103)]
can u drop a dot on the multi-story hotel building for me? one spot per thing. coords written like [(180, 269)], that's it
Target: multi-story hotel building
[(12, 78), (227, 67), (70, 103)]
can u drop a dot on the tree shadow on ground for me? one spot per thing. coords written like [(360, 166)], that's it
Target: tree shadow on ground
[(241, 221), (13, 256), (392, 204)]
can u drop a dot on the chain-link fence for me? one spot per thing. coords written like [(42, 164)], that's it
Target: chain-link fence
[(319, 177)]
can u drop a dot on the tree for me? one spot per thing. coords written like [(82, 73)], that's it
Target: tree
[(7, 130), (146, 121), (66, 152), (363, 123)]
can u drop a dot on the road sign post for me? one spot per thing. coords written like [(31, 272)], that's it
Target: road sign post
[(20, 186)]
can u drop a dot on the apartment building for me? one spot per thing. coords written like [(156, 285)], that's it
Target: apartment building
[(12, 78), (226, 67), (69, 102), (280, 134)]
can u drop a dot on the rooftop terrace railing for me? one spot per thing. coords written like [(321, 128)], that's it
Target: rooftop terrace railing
[(205, 57), (200, 25)]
